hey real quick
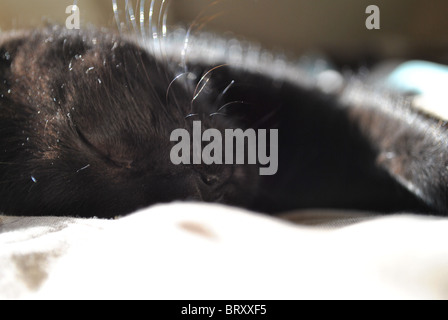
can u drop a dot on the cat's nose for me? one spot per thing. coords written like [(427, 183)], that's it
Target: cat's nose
[(210, 180), (218, 178)]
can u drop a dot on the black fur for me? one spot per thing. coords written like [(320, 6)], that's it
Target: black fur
[(86, 117)]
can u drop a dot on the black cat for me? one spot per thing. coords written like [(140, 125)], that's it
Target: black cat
[(86, 119)]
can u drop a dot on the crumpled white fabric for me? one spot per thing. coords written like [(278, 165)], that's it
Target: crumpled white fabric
[(201, 251)]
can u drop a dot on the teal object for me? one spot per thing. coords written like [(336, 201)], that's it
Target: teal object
[(422, 77), (428, 80)]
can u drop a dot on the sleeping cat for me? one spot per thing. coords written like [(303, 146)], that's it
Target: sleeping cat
[(86, 118)]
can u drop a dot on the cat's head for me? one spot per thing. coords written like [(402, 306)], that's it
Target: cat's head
[(86, 120)]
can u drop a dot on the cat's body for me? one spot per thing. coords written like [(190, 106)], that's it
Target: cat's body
[(86, 118)]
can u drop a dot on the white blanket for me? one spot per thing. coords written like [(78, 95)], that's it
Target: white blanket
[(199, 251)]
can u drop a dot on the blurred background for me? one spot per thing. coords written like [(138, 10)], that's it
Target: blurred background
[(409, 28)]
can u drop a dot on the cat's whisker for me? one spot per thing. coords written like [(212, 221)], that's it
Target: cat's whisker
[(130, 16), (205, 77), (192, 115), (172, 83), (232, 103), (165, 20), (197, 92), (163, 8), (184, 51), (163, 25), (116, 14), (217, 114), (83, 168), (224, 92), (157, 40), (142, 19), (163, 28), (151, 41), (195, 22), (151, 27), (156, 28)]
